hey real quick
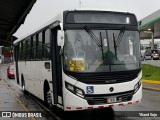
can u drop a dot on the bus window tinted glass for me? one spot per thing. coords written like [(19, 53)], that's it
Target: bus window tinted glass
[(46, 45), (47, 36), (34, 41), (33, 55), (28, 49), (46, 52), (40, 39)]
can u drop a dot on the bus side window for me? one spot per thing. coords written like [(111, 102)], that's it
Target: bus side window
[(19, 51), (23, 50), (28, 49), (33, 49), (39, 46), (16, 52), (46, 45)]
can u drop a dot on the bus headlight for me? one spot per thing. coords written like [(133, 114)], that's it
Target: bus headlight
[(137, 86), (75, 90), (70, 87)]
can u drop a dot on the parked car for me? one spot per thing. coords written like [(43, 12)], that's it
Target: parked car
[(148, 54), (155, 54), (10, 72)]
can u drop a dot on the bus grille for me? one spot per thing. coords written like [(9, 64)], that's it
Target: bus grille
[(101, 99), (106, 78)]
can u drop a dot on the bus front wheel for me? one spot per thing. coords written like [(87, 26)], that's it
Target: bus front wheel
[(47, 95)]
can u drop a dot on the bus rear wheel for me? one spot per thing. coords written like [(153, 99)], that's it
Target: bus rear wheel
[(23, 85)]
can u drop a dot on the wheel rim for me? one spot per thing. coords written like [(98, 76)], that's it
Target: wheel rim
[(23, 87), (48, 98)]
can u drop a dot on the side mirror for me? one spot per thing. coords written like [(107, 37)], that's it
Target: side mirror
[(60, 38)]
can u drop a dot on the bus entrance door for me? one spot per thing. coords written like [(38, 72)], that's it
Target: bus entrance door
[(56, 68)]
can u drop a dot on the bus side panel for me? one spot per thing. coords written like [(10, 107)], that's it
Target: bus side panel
[(35, 74)]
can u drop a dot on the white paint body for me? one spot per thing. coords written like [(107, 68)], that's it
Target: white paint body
[(35, 74)]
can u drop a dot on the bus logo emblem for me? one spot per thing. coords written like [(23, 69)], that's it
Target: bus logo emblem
[(111, 89), (90, 89)]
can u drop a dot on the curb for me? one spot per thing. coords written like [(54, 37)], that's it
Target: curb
[(151, 82), (150, 88)]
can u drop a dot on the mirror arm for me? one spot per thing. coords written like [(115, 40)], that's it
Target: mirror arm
[(61, 51)]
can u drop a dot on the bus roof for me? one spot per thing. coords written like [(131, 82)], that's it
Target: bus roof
[(92, 9), (59, 18)]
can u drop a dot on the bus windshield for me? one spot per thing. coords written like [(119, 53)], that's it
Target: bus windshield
[(101, 50)]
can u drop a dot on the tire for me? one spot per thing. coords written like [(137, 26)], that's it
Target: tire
[(8, 76), (47, 96), (23, 86)]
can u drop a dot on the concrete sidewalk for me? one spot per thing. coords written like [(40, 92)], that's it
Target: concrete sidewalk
[(151, 85), (8, 101)]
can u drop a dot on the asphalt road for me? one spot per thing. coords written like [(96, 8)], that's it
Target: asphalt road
[(152, 62), (150, 105)]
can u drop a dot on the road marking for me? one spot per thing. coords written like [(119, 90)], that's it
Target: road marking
[(13, 93), (18, 99)]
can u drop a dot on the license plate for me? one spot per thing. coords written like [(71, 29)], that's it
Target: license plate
[(111, 100)]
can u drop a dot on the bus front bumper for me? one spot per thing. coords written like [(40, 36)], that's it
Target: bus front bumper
[(74, 103)]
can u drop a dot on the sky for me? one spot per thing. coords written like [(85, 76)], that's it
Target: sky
[(44, 10)]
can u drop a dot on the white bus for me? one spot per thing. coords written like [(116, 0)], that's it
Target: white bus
[(82, 59)]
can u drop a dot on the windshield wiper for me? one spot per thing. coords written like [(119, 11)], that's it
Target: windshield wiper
[(101, 46), (96, 40), (115, 45), (120, 36), (118, 41), (93, 36)]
